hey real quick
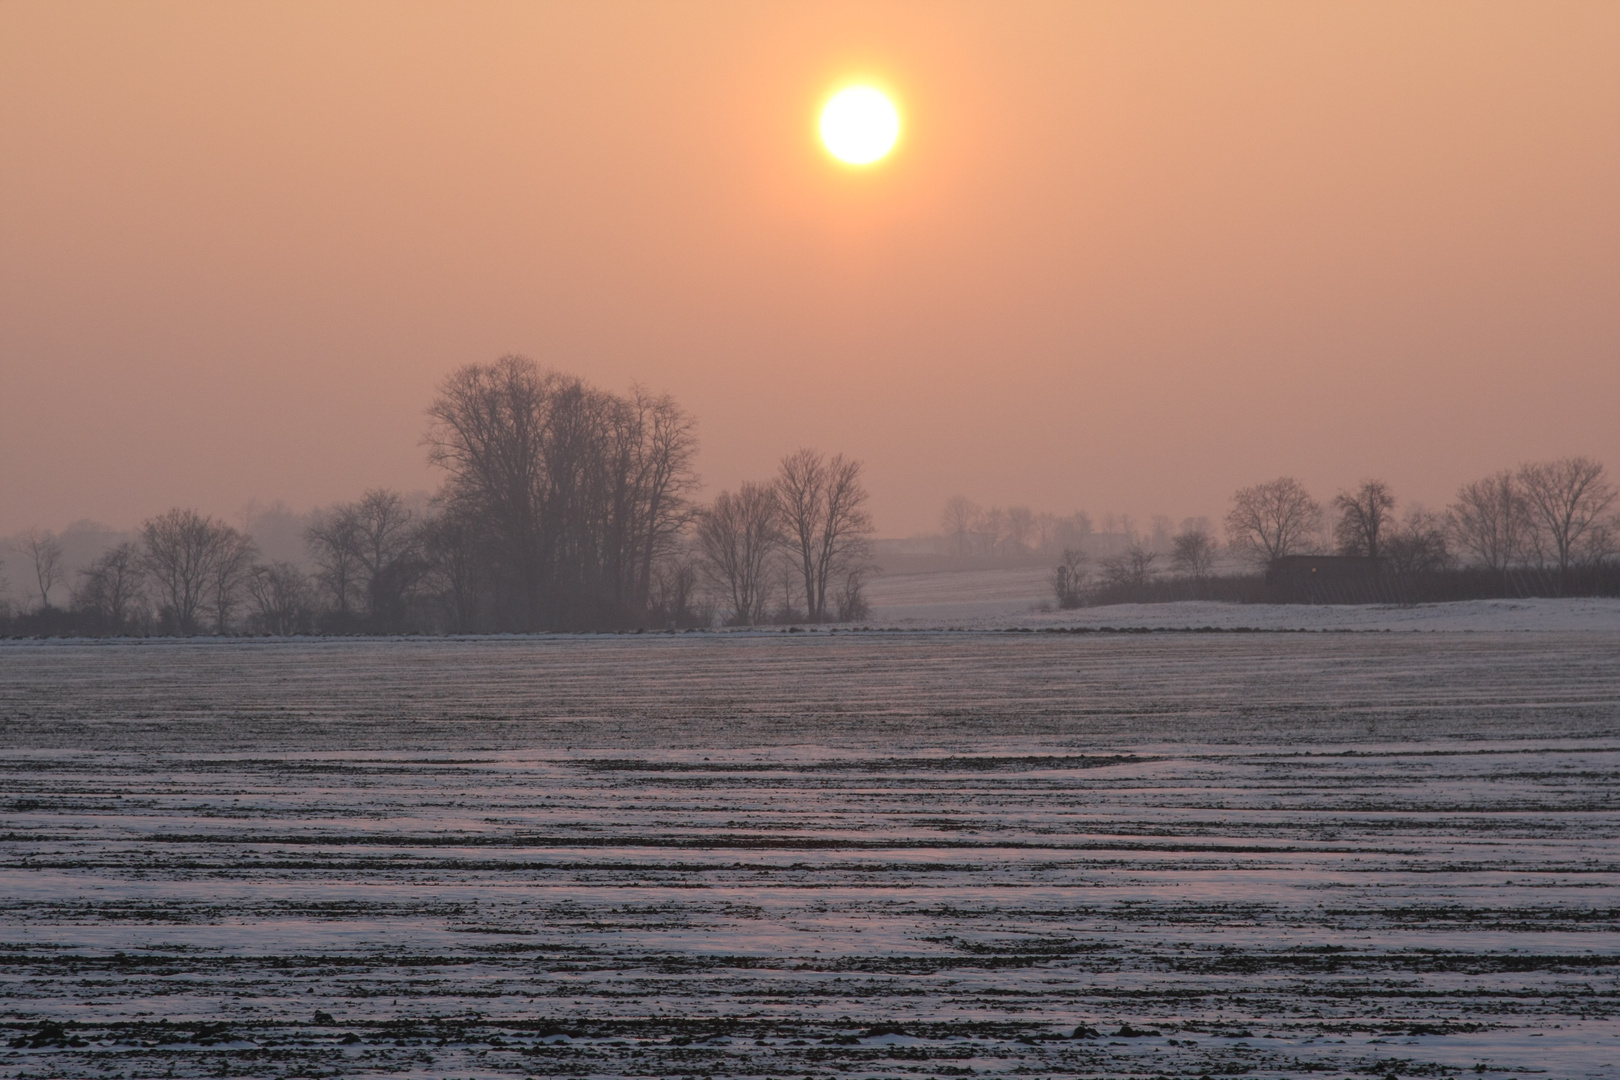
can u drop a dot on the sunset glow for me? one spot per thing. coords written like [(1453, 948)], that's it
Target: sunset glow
[(787, 539), (859, 125), (1121, 258)]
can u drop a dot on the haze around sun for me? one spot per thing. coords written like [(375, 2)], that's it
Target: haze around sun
[(860, 125)]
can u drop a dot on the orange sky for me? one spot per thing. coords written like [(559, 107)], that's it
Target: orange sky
[(1127, 257)]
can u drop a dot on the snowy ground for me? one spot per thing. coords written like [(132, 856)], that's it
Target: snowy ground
[(864, 854), (1014, 598)]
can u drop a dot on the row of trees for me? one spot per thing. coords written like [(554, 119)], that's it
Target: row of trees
[(810, 524), (1556, 514), (182, 573), (563, 507), (1554, 517), (970, 530), (559, 498)]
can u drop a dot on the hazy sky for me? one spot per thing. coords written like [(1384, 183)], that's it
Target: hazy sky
[(1126, 257)]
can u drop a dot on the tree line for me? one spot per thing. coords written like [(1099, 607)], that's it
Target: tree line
[(563, 507), (1554, 514), (1547, 527)]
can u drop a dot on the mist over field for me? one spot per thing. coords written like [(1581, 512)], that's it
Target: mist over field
[(563, 506), (1125, 258), (885, 540)]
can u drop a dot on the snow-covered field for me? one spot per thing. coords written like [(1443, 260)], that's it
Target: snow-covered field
[(772, 854), (1011, 598)]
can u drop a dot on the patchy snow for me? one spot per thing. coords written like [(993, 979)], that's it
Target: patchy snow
[(1013, 598), (773, 855)]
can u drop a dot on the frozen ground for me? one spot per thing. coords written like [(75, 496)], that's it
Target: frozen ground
[(1010, 598), (885, 854)]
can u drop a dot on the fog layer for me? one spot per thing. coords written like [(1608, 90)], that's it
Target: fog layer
[(1128, 256)]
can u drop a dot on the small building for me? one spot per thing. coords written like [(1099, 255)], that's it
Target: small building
[(1328, 579)]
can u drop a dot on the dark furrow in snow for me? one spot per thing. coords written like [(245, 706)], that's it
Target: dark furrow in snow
[(864, 855)]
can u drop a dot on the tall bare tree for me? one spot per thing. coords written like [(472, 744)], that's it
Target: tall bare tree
[(1363, 515), (279, 593), (456, 572), (180, 552), (786, 582), (1490, 521), (489, 435), (228, 573), (387, 542), (1270, 520), (370, 553), (959, 519), (1192, 551), (1020, 528), (1567, 499), (576, 492), (824, 515), (991, 528), (659, 477), (383, 530), (44, 552), (110, 589), (334, 541), (736, 538)]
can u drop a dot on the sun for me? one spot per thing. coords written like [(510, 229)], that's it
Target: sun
[(859, 125)]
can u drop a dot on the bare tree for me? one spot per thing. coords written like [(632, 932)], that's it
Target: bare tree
[(1362, 517), (1073, 531), (850, 603), (674, 602), (281, 600), (824, 515), (1599, 544), (1020, 528), (44, 551), (382, 530), (1567, 498), (1132, 568), (370, 554), (1046, 527), (736, 538), (576, 492), (110, 589), (991, 529), (488, 433), (228, 575), (660, 477), (387, 543), (1418, 544), (334, 541), (1490, 521), (1068, 581), (1120, 525), (456, 573), (180, 551), (785, 577), (1161, 534), (1270, 520), (1192, 551), (958, 519)]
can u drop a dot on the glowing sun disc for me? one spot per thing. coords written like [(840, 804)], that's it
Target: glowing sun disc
[(859, 125)]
